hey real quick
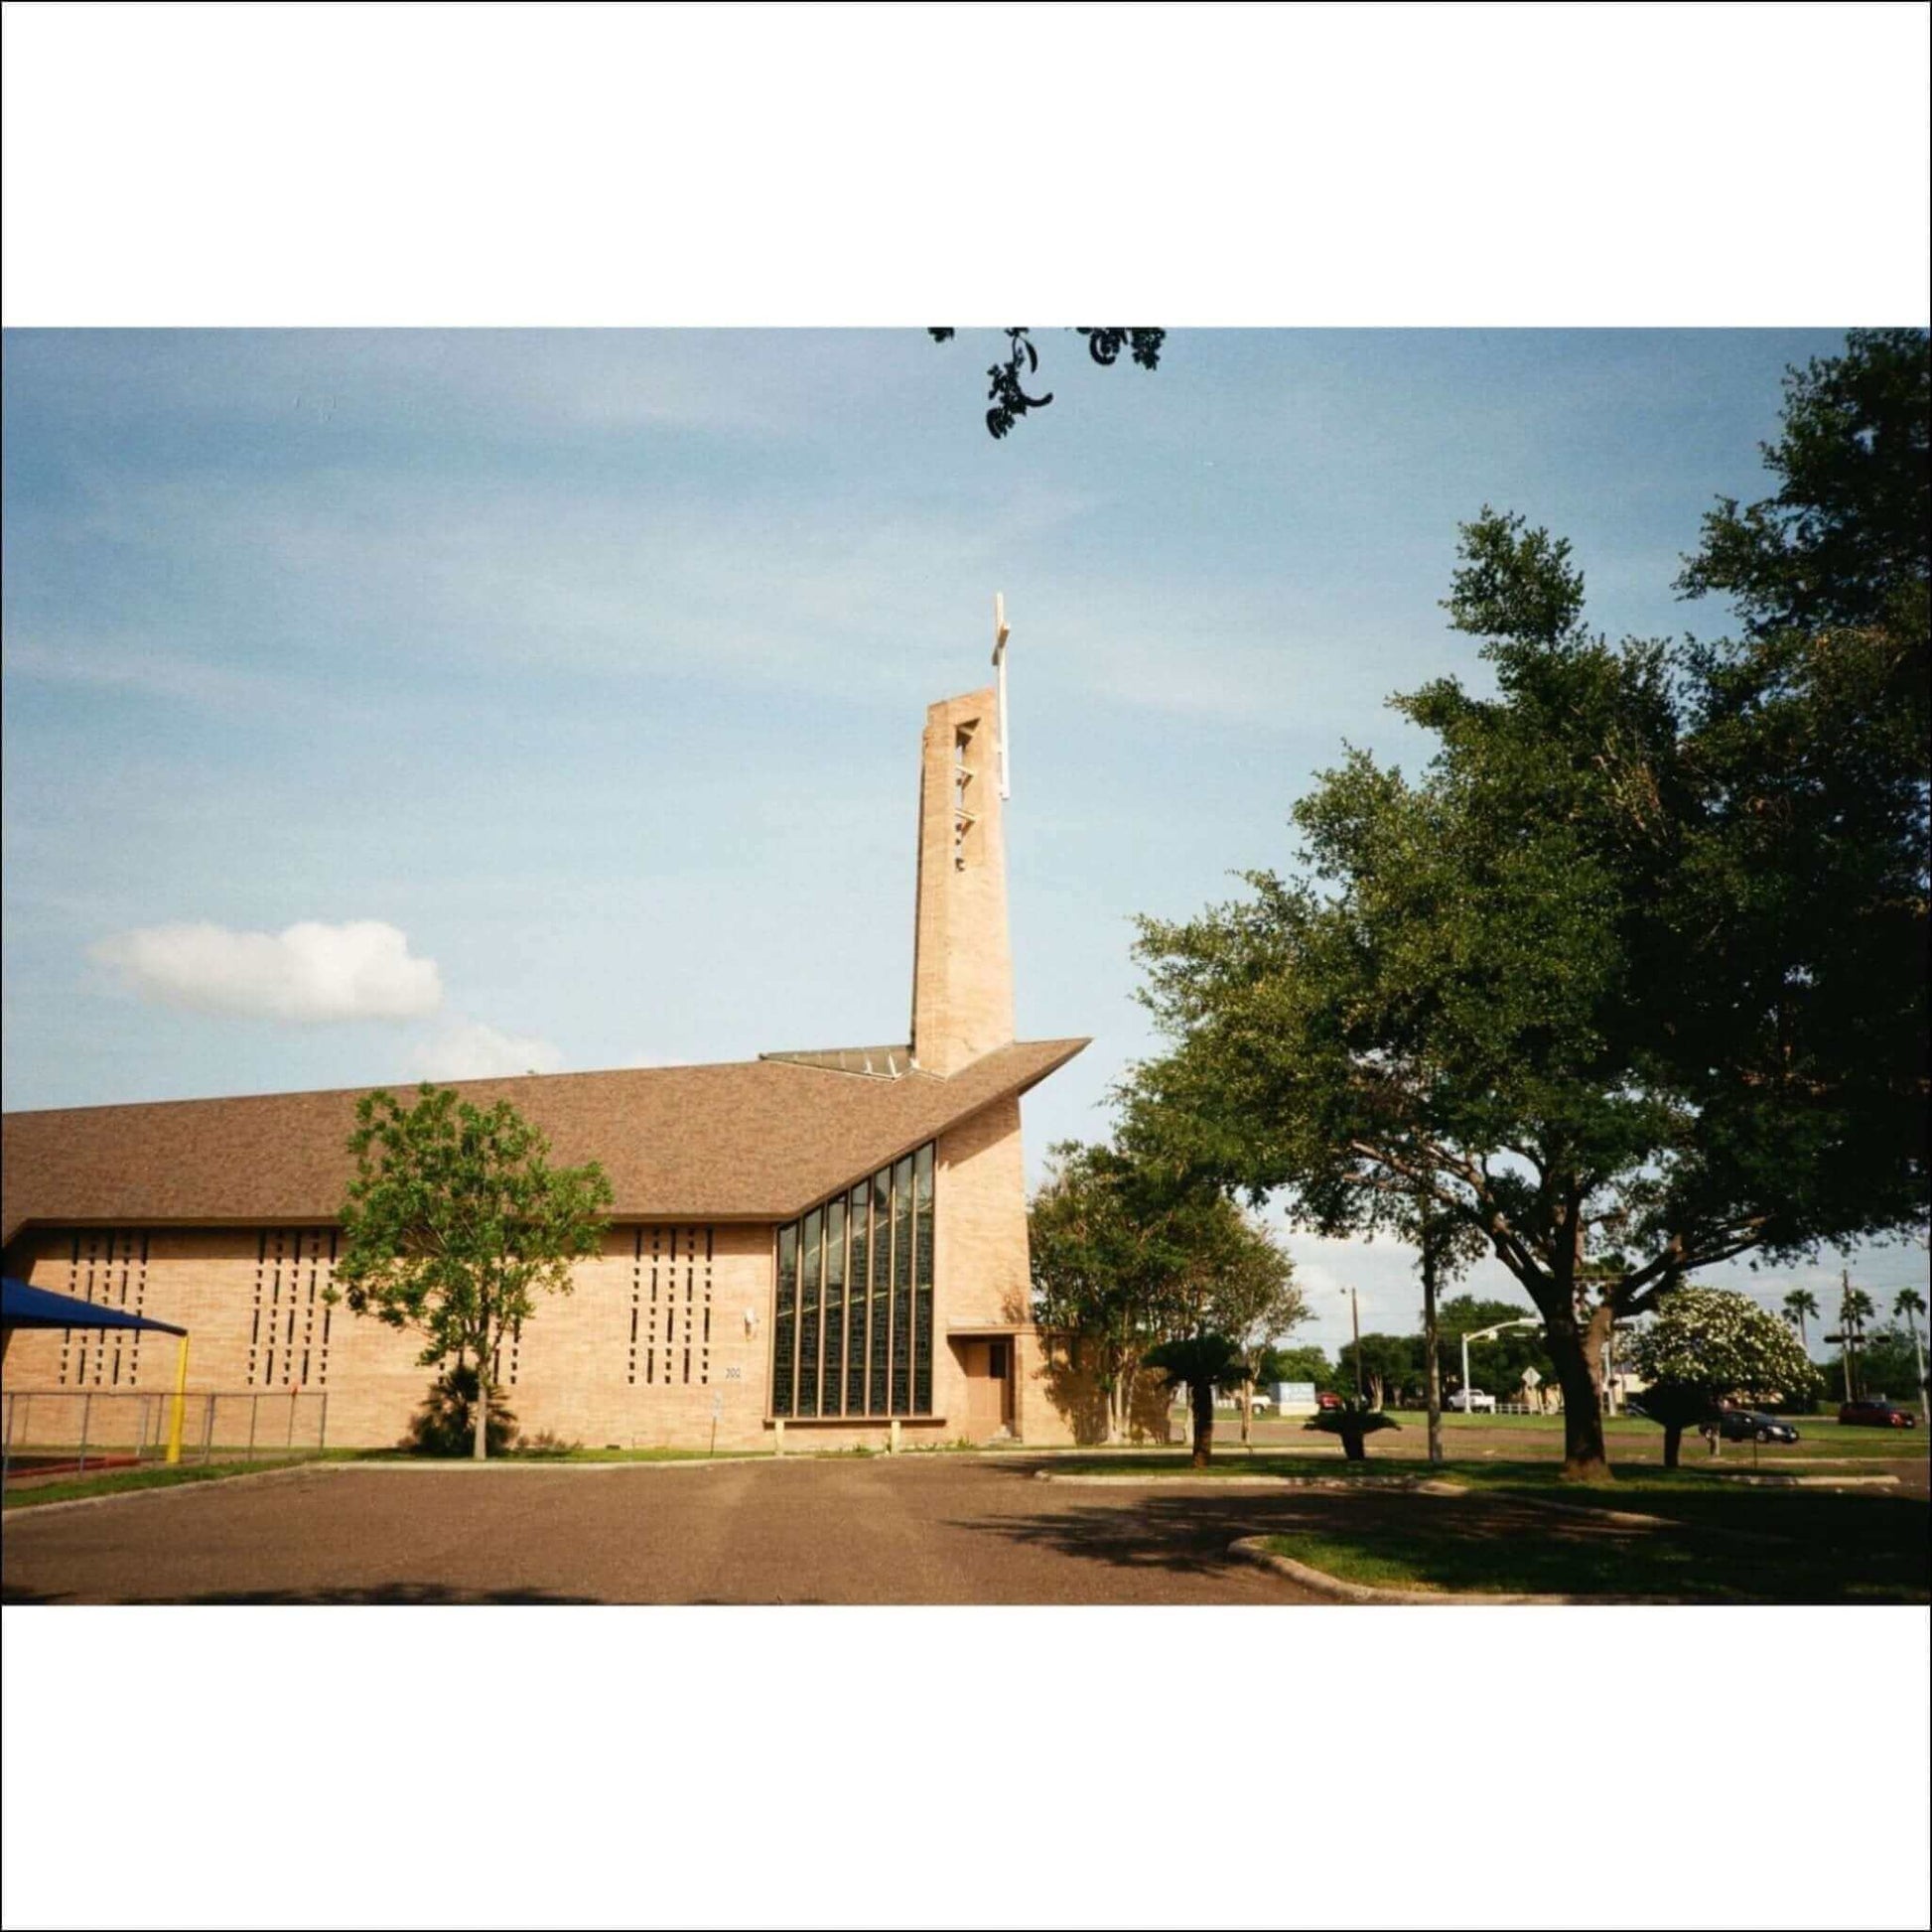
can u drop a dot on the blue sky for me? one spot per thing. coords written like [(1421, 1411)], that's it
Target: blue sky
[(579, 674)]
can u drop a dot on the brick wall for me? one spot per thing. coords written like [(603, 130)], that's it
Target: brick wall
[(605, 1365), (572, 1368)]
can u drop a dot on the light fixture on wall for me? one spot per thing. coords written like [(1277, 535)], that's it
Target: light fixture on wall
[(750, 1321)]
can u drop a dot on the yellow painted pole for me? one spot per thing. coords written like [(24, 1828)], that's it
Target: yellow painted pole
[(180, 1402)]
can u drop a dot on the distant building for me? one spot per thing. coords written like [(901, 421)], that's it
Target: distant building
[(832, 1242)]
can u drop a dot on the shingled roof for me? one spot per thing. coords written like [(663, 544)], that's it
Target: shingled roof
[(746, 1140)]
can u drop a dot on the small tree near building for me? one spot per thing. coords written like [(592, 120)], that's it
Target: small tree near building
[(455, 1223), (1707, 1345), (1124, 1259), (1200, 1364)]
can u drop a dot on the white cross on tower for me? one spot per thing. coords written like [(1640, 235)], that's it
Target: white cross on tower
[(1001, 632)]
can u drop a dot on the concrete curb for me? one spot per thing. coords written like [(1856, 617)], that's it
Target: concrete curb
[(145, 1494), (322, 1465), (1249, 1549), (1193, 1479), (1630, 1518), (454, 1466), (1782, 1481)]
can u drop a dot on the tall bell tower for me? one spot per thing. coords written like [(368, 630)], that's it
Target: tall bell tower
[(962, 956)]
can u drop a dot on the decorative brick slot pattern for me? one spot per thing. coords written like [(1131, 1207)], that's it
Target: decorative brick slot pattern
[(670, 1305), (852, 1331), (497, 1374), (108, 1266), (288, 1339)]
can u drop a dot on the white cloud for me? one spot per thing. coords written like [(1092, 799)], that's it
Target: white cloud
[(466, 1049), (361, 970)]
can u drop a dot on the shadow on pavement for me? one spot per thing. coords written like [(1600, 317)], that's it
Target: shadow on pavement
[(436, 1593), (1191, 1532)]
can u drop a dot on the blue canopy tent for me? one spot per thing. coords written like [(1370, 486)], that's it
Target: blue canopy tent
[(22, 1305)]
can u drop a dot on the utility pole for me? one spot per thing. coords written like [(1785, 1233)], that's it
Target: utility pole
[(1847, 1349), (1355, 1320)]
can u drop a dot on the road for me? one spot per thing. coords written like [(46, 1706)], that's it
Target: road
[(910, 1530)]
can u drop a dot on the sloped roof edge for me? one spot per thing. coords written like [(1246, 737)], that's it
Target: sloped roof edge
[(740, 1140)]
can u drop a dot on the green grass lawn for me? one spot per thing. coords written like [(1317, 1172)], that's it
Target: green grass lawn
[(156, 1476), (1628, 1439), (1722, 1544), (1802, 1548)]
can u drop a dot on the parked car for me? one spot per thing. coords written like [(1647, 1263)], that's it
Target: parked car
[(1472, 1402), (1876, 1412), (1257, 1402), (1328, 1399), (1751, 1426)]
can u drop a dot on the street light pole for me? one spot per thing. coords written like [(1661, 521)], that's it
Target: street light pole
[(1487, 1334), (1355, 1321)]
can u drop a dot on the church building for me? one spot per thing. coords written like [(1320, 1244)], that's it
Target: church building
[(807, 1250)]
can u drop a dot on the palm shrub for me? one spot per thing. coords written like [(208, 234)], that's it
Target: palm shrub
[(1200, 1364), (1353, 1423), (445, 1424)]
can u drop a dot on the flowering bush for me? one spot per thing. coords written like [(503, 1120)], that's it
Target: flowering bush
[(1708, 1344)]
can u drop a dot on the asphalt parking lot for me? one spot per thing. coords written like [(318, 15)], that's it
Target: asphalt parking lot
[(910, 1530)]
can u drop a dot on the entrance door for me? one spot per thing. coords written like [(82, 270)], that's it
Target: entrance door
[(989, 1387)]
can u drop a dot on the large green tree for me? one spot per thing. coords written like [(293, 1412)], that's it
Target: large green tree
[(1391, 1368), (1797, 909), (1885, 1362), (1574, 987), (1497, 1363), (1307, 1362), (454, 1222)]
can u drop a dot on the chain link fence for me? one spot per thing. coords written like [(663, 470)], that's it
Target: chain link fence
[(68, 1431)]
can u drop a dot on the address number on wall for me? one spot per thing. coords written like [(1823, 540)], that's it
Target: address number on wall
[(734, 1375)]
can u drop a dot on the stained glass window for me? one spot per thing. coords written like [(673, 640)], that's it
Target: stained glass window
[(858, 1303), (808, 1314), (784, 1330), (923, 1282), (882, 1286), (831, 1400), (902, 1288), (854, 1311)]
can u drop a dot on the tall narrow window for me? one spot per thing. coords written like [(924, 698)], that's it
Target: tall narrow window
[(808, 1280), (923, 1282), (784, 1329), (858, 1303), (853, 1316), (882, 1289), (902, 1287), (831, 1402)]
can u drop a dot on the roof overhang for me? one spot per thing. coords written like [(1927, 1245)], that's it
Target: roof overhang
[(746, 1142)]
